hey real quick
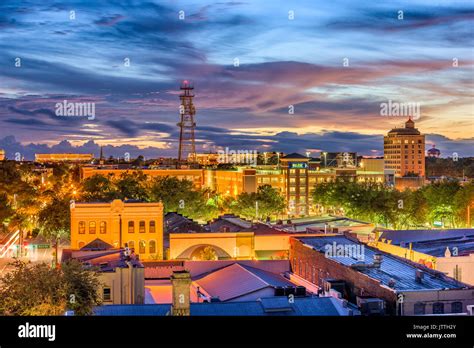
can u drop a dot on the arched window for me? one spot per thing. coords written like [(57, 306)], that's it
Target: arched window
[(82, 227), (152, 247), (438, 308), (103, 227), (142, 247), (141, 227), (456, 307), (80, 245), (131, 245), (92, 227), (152, 226), (131, 227), (419, 308)]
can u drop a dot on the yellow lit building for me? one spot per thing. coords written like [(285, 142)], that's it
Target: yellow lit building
[(63, 157), (2, 154), (294, 179), (404, 150), (137, 225)]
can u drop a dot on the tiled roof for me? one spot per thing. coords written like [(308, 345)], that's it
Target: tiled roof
[(392, 267), (238, 280)]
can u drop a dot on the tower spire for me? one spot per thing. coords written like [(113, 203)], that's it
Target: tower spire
[(187, 149)]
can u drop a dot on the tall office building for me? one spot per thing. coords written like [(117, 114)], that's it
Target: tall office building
[(404, 150)]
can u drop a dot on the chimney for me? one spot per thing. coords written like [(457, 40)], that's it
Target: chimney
[(181, 282), (377, 260), (419, 276)]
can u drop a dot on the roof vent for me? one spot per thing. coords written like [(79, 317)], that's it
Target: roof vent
[(391, 283), (419, 274)]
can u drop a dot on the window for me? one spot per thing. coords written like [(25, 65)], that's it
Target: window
[(82, 227), (141, 227), (103, 227), (131, 227), (107, 294), (152, 247), (80, 245), (131, 245), (142, 247), (456, 307), (152, 226), (419, 308), (92, 227), (438, 308)]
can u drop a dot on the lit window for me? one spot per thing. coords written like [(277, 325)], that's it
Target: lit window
[(152, 226), (419, 308), (103, 227), (131, 245), (82, 227), (152, 247), (141, 227), (142, 247), (92, 227), (131, 227)]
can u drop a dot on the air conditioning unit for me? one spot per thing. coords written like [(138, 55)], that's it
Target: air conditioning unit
[(371, 306)]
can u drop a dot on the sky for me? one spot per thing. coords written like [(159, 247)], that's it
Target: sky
[(290, 76)]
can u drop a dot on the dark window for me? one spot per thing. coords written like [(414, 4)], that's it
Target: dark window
[(82, 227), (107, 294), (131, 227), (152, 226), (438, 308), (103, 227), (419, 308), (92, 227), (456, 307), (141, 227)]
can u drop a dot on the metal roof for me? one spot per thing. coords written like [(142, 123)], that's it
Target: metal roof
[(307, 306), (238, 280), (392, 267), (407, 236)]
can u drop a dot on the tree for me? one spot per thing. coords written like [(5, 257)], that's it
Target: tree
[(265, 202), (181, 197), (132, 186), (37, 289), (99, 188), (208, 254)]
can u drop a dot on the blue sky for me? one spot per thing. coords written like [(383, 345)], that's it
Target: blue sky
[(282, 62)]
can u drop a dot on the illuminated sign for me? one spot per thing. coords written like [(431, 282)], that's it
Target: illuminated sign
[(299, 165)]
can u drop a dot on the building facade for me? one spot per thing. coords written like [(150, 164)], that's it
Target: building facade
[(137, 225), (404, 151)]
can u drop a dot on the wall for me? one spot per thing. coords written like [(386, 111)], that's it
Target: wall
[(314, 267), (127, 285), (465, 266)]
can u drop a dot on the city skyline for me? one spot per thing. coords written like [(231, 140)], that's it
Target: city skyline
[(333, 65)]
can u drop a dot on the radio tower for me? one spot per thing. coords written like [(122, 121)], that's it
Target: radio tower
[(187, 149)]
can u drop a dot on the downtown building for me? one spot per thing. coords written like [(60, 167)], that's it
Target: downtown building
[(294, 178), (404, 151)]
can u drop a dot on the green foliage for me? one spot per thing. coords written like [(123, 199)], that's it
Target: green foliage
[(270, 203), (54, 219), (37, 289), (180, 196), (442, 201)]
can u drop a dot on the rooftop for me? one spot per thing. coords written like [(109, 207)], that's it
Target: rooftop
[(238, 280), (308, 306), (391, 268)]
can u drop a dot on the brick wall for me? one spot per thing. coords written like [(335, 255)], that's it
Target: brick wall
[(314, 267)]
